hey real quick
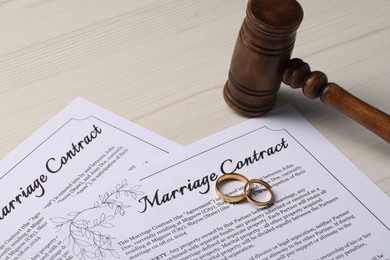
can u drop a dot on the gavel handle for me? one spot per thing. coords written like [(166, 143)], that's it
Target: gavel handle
[(315, 84)]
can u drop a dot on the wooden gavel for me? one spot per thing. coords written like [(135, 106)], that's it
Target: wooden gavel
[(261, 61)]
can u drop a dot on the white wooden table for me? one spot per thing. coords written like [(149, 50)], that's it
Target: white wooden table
[(163, 64)]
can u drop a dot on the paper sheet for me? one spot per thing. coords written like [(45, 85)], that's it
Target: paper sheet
[(325, 208), (82, 145)]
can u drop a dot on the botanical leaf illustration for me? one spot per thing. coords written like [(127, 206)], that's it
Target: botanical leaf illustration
[(87, 237)]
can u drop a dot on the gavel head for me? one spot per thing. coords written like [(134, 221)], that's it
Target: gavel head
[(264, 45)]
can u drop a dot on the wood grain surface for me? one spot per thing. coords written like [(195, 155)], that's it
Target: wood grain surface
[(163, 64)]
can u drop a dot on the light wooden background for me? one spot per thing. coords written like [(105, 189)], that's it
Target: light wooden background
[(163, 63)]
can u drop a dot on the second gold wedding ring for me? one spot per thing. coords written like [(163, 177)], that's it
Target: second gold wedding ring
[(248, 192)]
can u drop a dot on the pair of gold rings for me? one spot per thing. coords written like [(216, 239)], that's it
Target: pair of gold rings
[(248, 191)]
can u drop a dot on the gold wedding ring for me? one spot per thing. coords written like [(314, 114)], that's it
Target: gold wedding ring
[(229, 177), (248, 191)]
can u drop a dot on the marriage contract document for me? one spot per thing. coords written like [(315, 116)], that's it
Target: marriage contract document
[(80, 147), (324, 208)]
